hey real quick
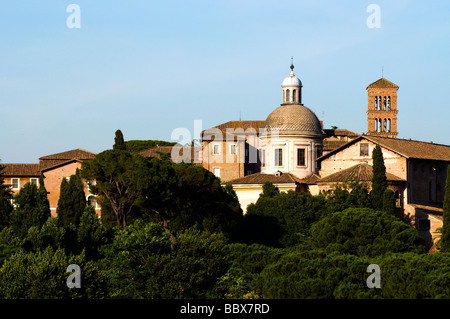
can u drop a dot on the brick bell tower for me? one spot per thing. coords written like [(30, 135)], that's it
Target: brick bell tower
[(382, 108)]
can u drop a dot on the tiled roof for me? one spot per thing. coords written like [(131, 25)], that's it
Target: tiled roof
[(329, 132), (260, 178), (361, 171), (405, 148), (18, 170), (382, 83), (241, 124), (329, 145), (413, 149), (246, 126), (68, 155), (60, 158)]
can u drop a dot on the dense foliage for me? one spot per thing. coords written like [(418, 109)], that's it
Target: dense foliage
[(176, 232)]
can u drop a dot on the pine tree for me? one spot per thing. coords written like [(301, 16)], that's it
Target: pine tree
[(379, 181), (445, 237), (119, 142)]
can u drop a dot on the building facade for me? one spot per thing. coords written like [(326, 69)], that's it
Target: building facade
[(53, 168)]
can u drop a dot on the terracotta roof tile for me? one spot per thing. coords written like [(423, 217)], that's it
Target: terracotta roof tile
[(414, 149), (60, 158), (382, 83), (246, 126), (405, 148), (18, 170), (68, 155), (361, 171), (260, 178)]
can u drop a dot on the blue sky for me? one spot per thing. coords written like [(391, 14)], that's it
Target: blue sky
[(149, 67)]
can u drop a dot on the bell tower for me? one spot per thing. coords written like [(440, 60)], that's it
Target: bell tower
[(382, 108)]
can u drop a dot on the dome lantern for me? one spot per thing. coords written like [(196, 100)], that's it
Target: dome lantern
[(292, 88)]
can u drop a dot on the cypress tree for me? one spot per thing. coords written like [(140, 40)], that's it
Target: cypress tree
[(42, 212), (389, 202), (5, 200), (63, 209), (445, 237), (119, 142), (72, 201), (379, 181)]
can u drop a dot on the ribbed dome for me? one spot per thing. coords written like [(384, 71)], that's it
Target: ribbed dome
[(294, 119)]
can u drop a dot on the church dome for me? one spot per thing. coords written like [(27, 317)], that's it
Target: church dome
[(295, 119), (291, 80)]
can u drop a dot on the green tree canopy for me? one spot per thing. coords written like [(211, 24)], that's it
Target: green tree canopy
[(43, 275), (281, 219), (365, 232), (135, 146), (116, 177), (32, 209), (141, 263)]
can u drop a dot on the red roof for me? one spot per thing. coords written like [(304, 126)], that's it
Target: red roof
[(21, 170)]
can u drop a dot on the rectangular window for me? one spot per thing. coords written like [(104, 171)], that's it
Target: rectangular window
[(364, 149), (216, 149), (233, 149), (216, 171), (34, 181), (15, 183), (278, 157), (301, 160)]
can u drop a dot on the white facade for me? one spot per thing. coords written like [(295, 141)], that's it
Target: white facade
[(293, 139), (298, 155)]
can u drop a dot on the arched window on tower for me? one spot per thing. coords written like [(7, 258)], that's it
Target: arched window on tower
[(389, 125), (385, 125), (288, 95), (294, 95), (376, 125), (384, 103), (389, 103), (379, 125), (376, 103)]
